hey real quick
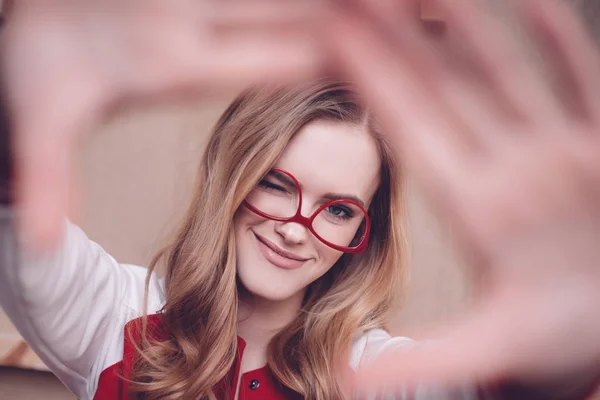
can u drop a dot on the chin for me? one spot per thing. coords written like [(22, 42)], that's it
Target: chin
[(268, 286)]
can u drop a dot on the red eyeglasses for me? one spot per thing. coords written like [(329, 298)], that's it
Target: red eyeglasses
[(341, 224)]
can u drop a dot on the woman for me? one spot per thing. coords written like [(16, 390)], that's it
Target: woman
[(297, 298), (253, 304), (76, 366)]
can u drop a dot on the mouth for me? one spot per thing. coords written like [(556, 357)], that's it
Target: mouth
[(277, 256)]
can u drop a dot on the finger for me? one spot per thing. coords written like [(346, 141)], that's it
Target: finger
[(493, 45), (393, 12), (42, 185), (480, 114), (46, 133), (193, 60), (262, 13), (268, 38), (474, 106), (418, 126), (473, 350), (254, 58), (400, 22), (565, 37), (48, 100)]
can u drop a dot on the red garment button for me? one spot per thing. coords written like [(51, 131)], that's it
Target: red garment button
[(254, 384)]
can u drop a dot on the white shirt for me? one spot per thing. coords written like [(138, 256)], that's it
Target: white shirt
[(71, 307)]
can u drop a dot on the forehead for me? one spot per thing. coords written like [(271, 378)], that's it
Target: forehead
[(333, 156)]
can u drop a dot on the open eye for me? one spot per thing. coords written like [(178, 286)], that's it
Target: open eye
[(340, 211)]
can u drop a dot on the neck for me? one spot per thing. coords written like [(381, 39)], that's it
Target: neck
[(260, 319)]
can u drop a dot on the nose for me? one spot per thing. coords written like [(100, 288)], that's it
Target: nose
[(291, 232)]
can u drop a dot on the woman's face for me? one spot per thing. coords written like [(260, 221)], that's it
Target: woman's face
[(328, 158)]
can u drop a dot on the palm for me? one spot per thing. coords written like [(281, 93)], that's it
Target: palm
[(511, 163), (66, 62)]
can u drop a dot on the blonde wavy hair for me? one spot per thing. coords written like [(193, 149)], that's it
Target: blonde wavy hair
[(200, 313)]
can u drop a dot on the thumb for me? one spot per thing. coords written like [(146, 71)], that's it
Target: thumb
[(471, 350), (45, 138)]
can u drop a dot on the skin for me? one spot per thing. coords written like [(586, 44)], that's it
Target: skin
[(512, 163), (435, 113), (323, 157), (71, 63)]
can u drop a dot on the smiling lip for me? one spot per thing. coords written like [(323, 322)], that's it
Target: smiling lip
[(277, 256)]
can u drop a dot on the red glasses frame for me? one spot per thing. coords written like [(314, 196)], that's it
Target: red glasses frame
[(307, 222)]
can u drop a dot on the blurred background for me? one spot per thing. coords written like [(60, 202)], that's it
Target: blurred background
[(136, 176)]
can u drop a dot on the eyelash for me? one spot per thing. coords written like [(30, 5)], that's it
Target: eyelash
[(271, 186), (348, 213)]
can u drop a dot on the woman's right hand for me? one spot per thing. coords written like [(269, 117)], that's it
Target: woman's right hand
[(66, 62)]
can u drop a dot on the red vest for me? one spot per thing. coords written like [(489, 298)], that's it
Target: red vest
[(259, 384)]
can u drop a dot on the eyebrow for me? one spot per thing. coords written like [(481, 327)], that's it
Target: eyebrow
[(339, 196), (282, 176), (327, 196)]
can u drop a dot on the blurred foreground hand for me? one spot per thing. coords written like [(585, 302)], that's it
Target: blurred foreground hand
[(501, 126), (66, 63)]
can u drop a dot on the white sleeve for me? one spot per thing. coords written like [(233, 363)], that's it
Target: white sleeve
[(70, 305), (373, 344)]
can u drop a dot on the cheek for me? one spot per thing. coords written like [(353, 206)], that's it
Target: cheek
[(244, 219), (327, 259)]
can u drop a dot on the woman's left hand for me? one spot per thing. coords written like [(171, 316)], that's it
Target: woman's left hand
[(501, 126)]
